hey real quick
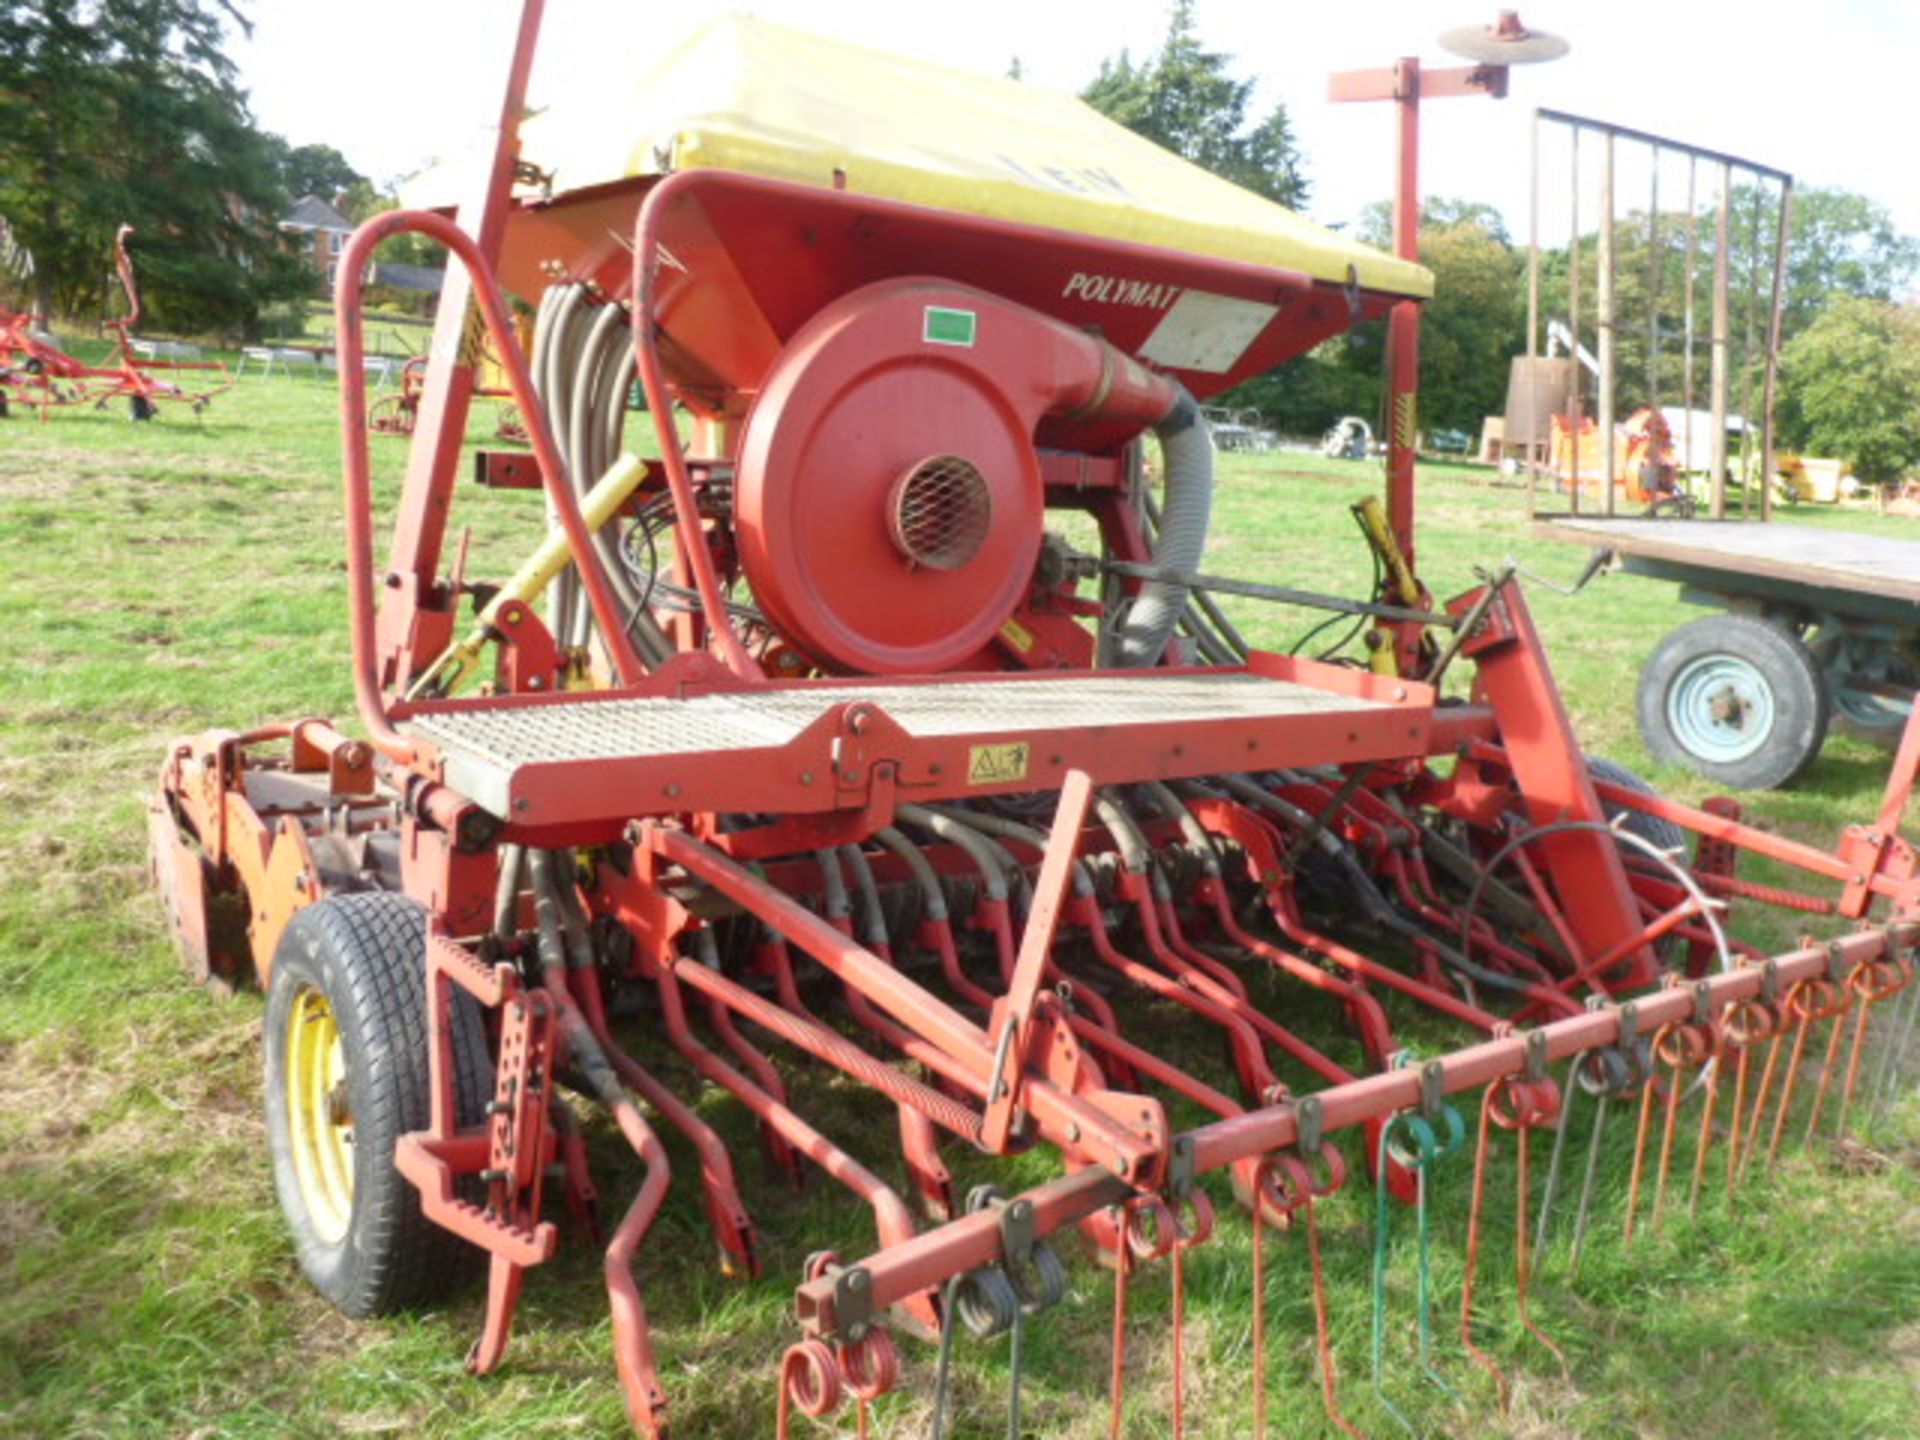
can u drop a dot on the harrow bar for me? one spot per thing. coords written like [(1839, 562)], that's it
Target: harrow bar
[(975, 1240)]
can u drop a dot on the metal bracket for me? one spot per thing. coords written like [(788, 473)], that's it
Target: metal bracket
[(1180, 1167), (1629, 1022), (1014, 1015), (852, 1302), (1839, 965), (1017, 1229), (1536, 1056), (1770, 981), (1308, 1127), (1433, 1088), (1703, 1002)]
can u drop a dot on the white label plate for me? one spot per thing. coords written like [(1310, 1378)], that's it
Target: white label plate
[(1203, 331)]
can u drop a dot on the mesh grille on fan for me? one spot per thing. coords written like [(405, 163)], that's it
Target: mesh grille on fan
[(939, 513)]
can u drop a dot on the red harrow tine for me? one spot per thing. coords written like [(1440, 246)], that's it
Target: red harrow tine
[(1875, 982), (1284, 1187), (1745, 1025), (1334, 1170), (1516, 1105), (1836, 1032)]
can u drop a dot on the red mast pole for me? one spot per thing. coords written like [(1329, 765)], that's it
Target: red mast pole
[(1403, 324), (1505, 42)]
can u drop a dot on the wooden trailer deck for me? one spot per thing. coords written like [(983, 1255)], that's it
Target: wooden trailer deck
[(1734, 553)]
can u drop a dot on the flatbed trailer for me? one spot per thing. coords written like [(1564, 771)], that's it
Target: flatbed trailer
[(1822, 626)]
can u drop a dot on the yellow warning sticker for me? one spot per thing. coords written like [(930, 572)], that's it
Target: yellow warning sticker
[(1017, 635), (473, 336), (1404, 431), (997, 764)]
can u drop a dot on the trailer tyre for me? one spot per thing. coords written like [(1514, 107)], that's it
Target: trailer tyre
[(346, 1076), (1736, 699)]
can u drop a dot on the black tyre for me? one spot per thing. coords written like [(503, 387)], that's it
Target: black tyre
[(346, 1076), (1736, 699), (140, 408), (1661, 833)]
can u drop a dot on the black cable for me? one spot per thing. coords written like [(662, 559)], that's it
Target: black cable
[(1379, 574)]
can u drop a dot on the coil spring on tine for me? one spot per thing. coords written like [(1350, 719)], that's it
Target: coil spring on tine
[(984, 1300), (870, 1366), (1151, 1230), (809, 1380), (1283, 1184), (1620, 1071), (1522, 1104)]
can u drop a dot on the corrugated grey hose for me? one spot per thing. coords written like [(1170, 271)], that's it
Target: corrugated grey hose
[(1186, 449), (1218, 639)]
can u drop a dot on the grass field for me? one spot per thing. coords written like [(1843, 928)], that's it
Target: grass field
[(157, 580)]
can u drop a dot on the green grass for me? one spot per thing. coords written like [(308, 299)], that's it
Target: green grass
[(163, 579)]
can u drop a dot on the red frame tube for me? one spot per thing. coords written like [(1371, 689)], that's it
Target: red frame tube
[(374, 712)]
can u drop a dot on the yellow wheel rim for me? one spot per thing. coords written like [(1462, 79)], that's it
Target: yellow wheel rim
[(319, 1123)]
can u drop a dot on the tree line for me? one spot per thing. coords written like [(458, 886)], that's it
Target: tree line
[(1850, 366), (130, 112)]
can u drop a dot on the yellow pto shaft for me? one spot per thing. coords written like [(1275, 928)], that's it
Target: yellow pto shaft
[(530, 581)]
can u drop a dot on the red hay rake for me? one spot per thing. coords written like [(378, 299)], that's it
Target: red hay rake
[(396, 413), (34, 371), (823, 750)]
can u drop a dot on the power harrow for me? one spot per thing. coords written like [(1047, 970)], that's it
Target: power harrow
[(34, 371), (825, 753)]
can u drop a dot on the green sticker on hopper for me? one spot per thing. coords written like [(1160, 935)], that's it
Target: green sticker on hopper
[(949, 327)]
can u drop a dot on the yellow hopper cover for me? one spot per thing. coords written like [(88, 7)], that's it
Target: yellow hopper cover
[(761, 99)]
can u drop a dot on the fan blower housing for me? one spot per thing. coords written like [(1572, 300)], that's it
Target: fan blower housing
[(888, 500)]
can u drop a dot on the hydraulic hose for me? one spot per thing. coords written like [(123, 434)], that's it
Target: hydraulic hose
[(506, 896), (933, 898), (948, 828), (553, 363), (873, 915), (583, 369)]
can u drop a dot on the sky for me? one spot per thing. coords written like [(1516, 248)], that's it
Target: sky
[(1818, 91)]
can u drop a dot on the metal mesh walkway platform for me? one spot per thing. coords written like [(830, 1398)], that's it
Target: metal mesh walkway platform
[(490, 752)]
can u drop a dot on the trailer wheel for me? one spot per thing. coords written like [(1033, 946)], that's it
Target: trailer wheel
[(139, 408), (346, 1076), (1736, 699)]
